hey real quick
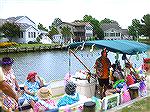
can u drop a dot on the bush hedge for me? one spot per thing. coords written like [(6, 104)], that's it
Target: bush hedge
[(7, 44)]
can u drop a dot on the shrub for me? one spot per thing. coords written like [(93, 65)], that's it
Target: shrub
[(32, 42), (7, 44)]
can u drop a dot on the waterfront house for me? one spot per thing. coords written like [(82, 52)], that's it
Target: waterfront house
[(64, 38), (81, 31), (112, 31), (29, 31)]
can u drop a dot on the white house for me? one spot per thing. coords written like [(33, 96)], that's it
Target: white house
[(43, 37), (58, 38), (29, 30)]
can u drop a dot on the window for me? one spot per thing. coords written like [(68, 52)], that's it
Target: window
[(29, 34), (117, 34), (34, 34), (21, 35), (106, 34), (112, 34), (88, 35)]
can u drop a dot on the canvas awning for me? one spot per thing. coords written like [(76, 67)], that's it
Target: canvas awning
[(122, 46)]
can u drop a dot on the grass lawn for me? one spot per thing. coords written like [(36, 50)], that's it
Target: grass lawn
[(34, 45), (140, 106)]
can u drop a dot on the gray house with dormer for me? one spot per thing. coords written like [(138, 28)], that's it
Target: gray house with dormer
[(112, 31)]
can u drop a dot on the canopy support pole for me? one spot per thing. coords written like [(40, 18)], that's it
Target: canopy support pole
[(70, 51)]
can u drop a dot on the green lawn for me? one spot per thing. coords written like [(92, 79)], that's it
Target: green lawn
[(140, 106)]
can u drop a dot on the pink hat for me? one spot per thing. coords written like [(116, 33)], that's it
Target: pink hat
[(31, 75)]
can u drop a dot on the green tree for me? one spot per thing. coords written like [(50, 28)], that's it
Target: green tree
[(10, 30), (41, 27), (135, 28), (146, 25), (56, 22), (107, 20), (97, 31), (66, 33), (132, 31), (53, 31)]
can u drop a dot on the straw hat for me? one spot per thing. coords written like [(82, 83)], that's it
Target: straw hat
[(44, 93)]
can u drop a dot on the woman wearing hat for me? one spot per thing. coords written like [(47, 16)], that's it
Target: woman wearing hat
[(10, 78), (70, 97), (45, 102), (31, 86), (6, 63)]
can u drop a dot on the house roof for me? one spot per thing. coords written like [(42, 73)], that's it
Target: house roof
[(23, 26), (75, 23), (107, 26), (11, 19), (80, 23), (43, 32), (124, 31), (64, 23), (14, 19)]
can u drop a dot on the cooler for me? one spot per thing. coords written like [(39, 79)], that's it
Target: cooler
[(84, 87)]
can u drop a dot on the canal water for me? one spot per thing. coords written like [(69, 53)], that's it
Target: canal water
[(54, 65)]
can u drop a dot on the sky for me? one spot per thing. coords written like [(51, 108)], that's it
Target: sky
[(45, 11)]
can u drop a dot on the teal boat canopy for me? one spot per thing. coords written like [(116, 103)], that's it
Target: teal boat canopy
[(121, 46)]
